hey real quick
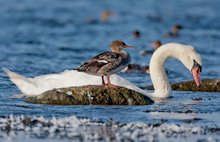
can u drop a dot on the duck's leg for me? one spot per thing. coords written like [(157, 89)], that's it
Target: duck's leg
[(103, 81), (109, 83)]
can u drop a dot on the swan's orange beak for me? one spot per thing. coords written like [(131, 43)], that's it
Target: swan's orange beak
[(196, 69), (196, 76)]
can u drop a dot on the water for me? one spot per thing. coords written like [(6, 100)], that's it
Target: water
[(42, 37)]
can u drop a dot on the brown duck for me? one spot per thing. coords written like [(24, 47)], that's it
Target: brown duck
[(108, 63)]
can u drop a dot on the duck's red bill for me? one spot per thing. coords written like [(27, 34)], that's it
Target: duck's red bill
[(196, 76), (128, 46)]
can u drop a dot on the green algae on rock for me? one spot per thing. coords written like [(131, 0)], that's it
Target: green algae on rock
[(208, 85), (91, 94)]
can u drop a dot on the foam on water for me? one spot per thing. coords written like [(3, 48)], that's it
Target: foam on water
[(69, 128)]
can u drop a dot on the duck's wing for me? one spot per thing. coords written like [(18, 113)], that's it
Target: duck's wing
[(96, 63), (108, 56)]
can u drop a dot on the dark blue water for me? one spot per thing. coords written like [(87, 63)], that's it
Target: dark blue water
[(49, 36)]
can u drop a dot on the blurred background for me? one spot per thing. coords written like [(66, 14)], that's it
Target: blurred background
[(49, 36)]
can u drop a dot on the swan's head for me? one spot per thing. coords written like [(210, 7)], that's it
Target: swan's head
[(193, 62)]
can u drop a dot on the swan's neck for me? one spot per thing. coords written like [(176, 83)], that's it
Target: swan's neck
[(157, 73)]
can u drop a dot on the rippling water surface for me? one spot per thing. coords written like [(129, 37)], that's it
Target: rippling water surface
[(49, 36)]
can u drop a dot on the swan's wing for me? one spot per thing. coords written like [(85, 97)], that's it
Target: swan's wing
[(119, 81)]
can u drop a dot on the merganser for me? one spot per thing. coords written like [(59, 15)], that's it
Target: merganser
[(136, 34), (156, 44), (131, 68), (105, 15), (174, 32), (108, 63)]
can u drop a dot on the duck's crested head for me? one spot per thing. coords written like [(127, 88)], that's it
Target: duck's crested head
[(136, 34), (105, 15), (117, 45), (156, 44), (176, 28)]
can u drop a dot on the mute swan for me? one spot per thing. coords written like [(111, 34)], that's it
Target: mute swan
[(185, 53)]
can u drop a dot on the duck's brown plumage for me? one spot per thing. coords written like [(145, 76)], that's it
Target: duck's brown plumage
[(107, 63)]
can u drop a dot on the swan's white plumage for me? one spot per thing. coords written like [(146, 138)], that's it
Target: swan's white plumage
[(37, 85), (184, 53), (40, 84)]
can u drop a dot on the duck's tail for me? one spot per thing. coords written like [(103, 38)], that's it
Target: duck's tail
[(20, 81)]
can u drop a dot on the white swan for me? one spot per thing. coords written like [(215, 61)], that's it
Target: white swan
[(185, 53)]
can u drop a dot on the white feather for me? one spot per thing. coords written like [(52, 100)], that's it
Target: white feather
[(102, 61)]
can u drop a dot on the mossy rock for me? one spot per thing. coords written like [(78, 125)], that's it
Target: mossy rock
[(208, 85), (91, 94)]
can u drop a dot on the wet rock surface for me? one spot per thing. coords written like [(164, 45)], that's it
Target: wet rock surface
[(208, 85), (87, 95)]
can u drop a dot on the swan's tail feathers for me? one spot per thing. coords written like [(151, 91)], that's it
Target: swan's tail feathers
[(14, 76), (20, 81)]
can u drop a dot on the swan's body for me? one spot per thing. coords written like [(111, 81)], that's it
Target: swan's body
[(40, 84), (185, 53)]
